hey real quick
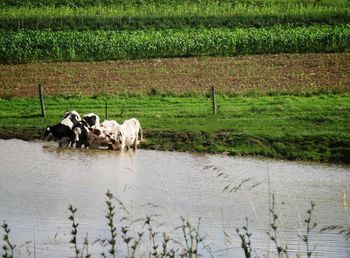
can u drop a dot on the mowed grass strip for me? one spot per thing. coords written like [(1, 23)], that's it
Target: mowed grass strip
[(171, 16), (28, 46), (292, 127), (250, 74)]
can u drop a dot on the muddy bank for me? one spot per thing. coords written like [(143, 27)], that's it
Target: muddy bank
[(319, 148)]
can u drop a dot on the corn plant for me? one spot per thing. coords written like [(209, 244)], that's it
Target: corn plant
[(26, 45), (170, 16)]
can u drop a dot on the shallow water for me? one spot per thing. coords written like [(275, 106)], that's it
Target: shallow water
[(39, 181)]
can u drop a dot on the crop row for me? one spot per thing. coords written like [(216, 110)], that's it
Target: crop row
[(170, 16), (26, 46), (87, 3)]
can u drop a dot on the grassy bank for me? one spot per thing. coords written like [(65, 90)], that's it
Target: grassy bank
[(27, 46), (171, 16), (291, 127)]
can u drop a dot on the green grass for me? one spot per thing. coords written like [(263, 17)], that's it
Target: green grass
[(186, 15), (312, 127), (87, 3), (28, 46)]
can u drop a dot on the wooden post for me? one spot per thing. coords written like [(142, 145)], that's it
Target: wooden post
[(213, 99), (41, 98), (106, 110)]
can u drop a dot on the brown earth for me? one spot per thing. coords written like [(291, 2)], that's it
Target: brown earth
[(297, 73)]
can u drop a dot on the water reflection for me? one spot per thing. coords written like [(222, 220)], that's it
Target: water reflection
[(39, 181)]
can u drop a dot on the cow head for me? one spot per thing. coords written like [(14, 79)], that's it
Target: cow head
[(74, 118), (74, 115), (47, 134)]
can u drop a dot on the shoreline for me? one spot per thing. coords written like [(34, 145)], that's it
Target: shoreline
[(216, 143)]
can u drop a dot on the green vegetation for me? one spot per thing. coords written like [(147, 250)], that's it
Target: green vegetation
[(147, 235), (309, 127), (71, 30), (169, 16), (26, 46), (87, 3), (298, 127)]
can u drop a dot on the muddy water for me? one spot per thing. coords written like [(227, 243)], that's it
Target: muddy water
[(38, 181)]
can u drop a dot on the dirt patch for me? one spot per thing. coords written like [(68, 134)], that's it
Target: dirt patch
[(291, 73)]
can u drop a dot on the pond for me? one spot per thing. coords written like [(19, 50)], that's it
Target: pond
[(39, 181)]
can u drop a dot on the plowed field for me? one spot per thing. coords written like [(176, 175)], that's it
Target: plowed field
[(287, 73)]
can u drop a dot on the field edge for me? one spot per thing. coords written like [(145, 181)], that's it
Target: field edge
[(314, 148)]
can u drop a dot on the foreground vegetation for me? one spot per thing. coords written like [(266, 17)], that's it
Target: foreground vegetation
[(304, 127), (146, 236), (26, 46)]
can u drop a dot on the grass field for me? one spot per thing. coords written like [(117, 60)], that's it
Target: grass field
[(292, 127)]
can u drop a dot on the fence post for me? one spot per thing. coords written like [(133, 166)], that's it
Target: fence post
[(213, 99), (106, 110), (41, 98)]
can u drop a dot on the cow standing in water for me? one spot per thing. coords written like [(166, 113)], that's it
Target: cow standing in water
[(90, 133), (84, 130), (129, 134), (63, 131), (92, 120), (74, 113)]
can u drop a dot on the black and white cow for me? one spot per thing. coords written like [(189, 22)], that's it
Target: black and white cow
[(74, 116), (100, 137), (81, 132), (83, 129), (92, 120), (62, 132)]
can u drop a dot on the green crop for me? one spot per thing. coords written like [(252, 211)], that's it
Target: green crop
[(87, 3), (26, 46), (190, 15)]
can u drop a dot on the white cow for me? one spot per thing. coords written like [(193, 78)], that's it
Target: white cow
[(110, 125), (128, 134)]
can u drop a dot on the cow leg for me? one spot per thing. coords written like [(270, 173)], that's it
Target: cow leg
[(134, 145)]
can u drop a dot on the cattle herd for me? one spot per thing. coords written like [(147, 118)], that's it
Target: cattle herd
[(88, 132)]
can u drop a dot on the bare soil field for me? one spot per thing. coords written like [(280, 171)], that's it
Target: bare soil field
[(284, 73)]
